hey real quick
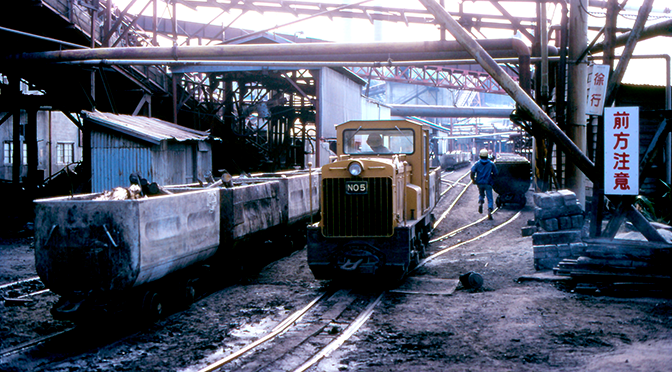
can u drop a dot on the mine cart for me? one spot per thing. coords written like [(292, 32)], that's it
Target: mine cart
[(512, 180)]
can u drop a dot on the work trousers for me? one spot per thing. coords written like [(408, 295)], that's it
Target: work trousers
[(483, 191)]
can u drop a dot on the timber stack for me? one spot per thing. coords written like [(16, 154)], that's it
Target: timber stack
[(596, 264), (619, 265)]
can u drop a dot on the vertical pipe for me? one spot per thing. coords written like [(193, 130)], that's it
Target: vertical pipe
[(544, 147), (174, 23), (543, 34), (93, 13), (598, 181), (155, 23), (49, 146), (610, 34), (175, 78), (107, 24), (668, 106), (319, 123), (30, 139), (560, 86), (16, 131), (576, 100), (86, 156), (442, 28)]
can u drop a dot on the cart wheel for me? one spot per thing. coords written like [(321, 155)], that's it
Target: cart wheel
[(522, 200), (152, 305), (189, 295)]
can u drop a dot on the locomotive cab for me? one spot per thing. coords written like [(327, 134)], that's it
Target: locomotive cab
[(376, 201)]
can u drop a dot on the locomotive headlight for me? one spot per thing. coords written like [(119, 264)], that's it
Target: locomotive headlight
[(355, 168)]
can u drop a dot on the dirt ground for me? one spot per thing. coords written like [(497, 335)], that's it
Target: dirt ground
[(506, 325)]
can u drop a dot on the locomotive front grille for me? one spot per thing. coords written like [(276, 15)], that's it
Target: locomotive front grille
[(357, 215)]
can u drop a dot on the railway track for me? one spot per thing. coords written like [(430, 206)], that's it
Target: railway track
[(66, 347), (307, 336), (22, 289), (298, 343)]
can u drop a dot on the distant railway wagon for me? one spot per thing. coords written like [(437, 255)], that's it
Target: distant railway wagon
[(455, 159), (97, 253), (376, 201), (514, 174)]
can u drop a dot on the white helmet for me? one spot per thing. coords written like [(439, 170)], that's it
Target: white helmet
[(483, 154)]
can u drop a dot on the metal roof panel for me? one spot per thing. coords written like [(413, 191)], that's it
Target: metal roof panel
[(141, 127)]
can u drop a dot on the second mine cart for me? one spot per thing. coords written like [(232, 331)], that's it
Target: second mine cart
[(512, 180)]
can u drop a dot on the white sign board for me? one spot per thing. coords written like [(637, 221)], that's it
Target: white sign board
[(621, 150), (598, 77)]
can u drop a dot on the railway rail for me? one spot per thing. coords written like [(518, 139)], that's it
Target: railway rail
[(24, 287), (298, 342), (315, 331)]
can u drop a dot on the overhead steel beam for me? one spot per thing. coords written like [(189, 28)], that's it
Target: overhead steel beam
[(526, 103), (355, 11), (434, 76)]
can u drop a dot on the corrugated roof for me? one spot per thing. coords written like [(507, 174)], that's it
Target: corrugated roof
[(141, 127)]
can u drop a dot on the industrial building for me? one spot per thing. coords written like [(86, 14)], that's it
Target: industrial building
[(269, 99)]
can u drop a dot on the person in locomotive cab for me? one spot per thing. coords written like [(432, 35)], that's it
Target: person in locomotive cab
[(483, 174), (375, 141)]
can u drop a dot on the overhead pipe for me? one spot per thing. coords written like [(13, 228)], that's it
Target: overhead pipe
[(659, 29), (449, 111), (379, 51), (287, 64), (526, 103)]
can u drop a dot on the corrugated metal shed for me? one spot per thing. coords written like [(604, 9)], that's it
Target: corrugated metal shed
[(159, 151), (148, 129)]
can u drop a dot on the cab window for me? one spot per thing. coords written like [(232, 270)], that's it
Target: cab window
[(378, 141)]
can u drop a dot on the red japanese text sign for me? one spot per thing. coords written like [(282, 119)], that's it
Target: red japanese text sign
[(598, 76), (621, 150)]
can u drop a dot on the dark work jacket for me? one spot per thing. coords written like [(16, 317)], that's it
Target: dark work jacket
[(483, 172)]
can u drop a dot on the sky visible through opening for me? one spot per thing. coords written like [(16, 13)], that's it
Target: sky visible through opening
[(357, 30)]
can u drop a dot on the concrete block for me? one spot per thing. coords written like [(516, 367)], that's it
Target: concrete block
[(546, 263), (564, 251), (568, 196), (565, 210), (577, 221), (557, 237), (564, 223), (578, 249), (528, 230), (545, 251), (549, 224), (549, 199)]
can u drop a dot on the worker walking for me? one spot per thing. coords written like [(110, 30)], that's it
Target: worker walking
[(483, 174)]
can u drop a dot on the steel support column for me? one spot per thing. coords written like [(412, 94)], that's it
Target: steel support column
[(576, 99)]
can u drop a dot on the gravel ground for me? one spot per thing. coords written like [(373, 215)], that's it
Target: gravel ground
[(506, 325)]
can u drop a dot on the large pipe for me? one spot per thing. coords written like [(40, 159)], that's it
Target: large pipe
[(424, 50), (526, 103), (659, 29), (449, 111)]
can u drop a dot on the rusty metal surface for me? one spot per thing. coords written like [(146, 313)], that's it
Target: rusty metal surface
[(83, 245)]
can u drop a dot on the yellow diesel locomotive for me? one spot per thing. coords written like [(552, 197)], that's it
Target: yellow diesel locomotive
[(377, 198)]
